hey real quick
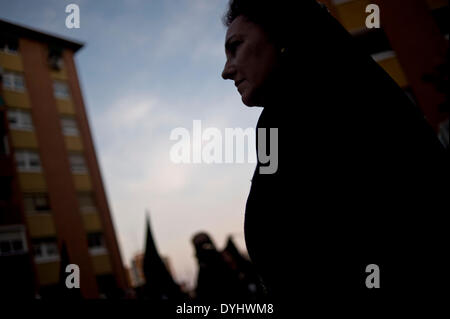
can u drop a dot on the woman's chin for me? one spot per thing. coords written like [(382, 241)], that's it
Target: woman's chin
[(249, 101)]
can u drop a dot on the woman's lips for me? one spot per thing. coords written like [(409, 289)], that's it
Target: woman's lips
[(238, 82), (239, 88)]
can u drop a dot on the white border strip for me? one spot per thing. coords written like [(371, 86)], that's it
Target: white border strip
[(383, 55)]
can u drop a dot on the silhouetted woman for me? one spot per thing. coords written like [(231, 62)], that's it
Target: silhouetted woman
[(361, 176)]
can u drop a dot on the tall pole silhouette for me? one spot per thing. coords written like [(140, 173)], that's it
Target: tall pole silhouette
[(159, 284)]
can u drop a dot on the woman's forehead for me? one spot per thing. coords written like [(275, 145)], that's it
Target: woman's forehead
[(240, 26)]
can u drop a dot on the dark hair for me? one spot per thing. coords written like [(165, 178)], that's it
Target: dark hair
[(255, 11), (303, 30), (281, 19)]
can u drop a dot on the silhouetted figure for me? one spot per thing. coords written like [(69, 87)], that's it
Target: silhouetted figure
[(361, 179), (251, 288), (216, 281), (159, 285)]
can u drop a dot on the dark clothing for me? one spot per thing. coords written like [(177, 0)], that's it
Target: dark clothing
[(216, 281), (362, 179)]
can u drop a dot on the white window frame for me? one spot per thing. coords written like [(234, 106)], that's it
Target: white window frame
[(12, 233), (69, 126), (384, 55), (11, 80), (87, 209), (22, 118), (7, 47), (27, 156), (56, 63), (34, 197), (45, 247), (95, 251), (8, 50), (98, 250), (77, 163), (61, 90)]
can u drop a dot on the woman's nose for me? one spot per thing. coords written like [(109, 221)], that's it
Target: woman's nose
[(228, 71)]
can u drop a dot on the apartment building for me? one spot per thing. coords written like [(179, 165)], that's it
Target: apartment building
[(51, 187)]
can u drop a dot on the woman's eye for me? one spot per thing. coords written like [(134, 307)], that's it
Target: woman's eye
[(234, 45)]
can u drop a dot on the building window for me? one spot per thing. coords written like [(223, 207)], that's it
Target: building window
[(36, 202), (13, 81), (20, 120), (45, 249), (96, 244), (12, 240), (86, 202), (61, 90), (9, 45), (77, 164), (69, 126), (28, 161), (55, 60)]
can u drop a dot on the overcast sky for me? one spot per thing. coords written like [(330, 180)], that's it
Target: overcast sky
[(148, 67)]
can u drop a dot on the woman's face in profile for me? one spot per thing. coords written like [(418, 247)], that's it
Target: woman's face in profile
[(251, 60)]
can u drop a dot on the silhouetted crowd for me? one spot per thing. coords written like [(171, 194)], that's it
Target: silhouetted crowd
[(223, 276)]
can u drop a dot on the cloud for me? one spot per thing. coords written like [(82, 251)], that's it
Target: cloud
[(148, 67), (191, 29), (130, 111), (134, 154)]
